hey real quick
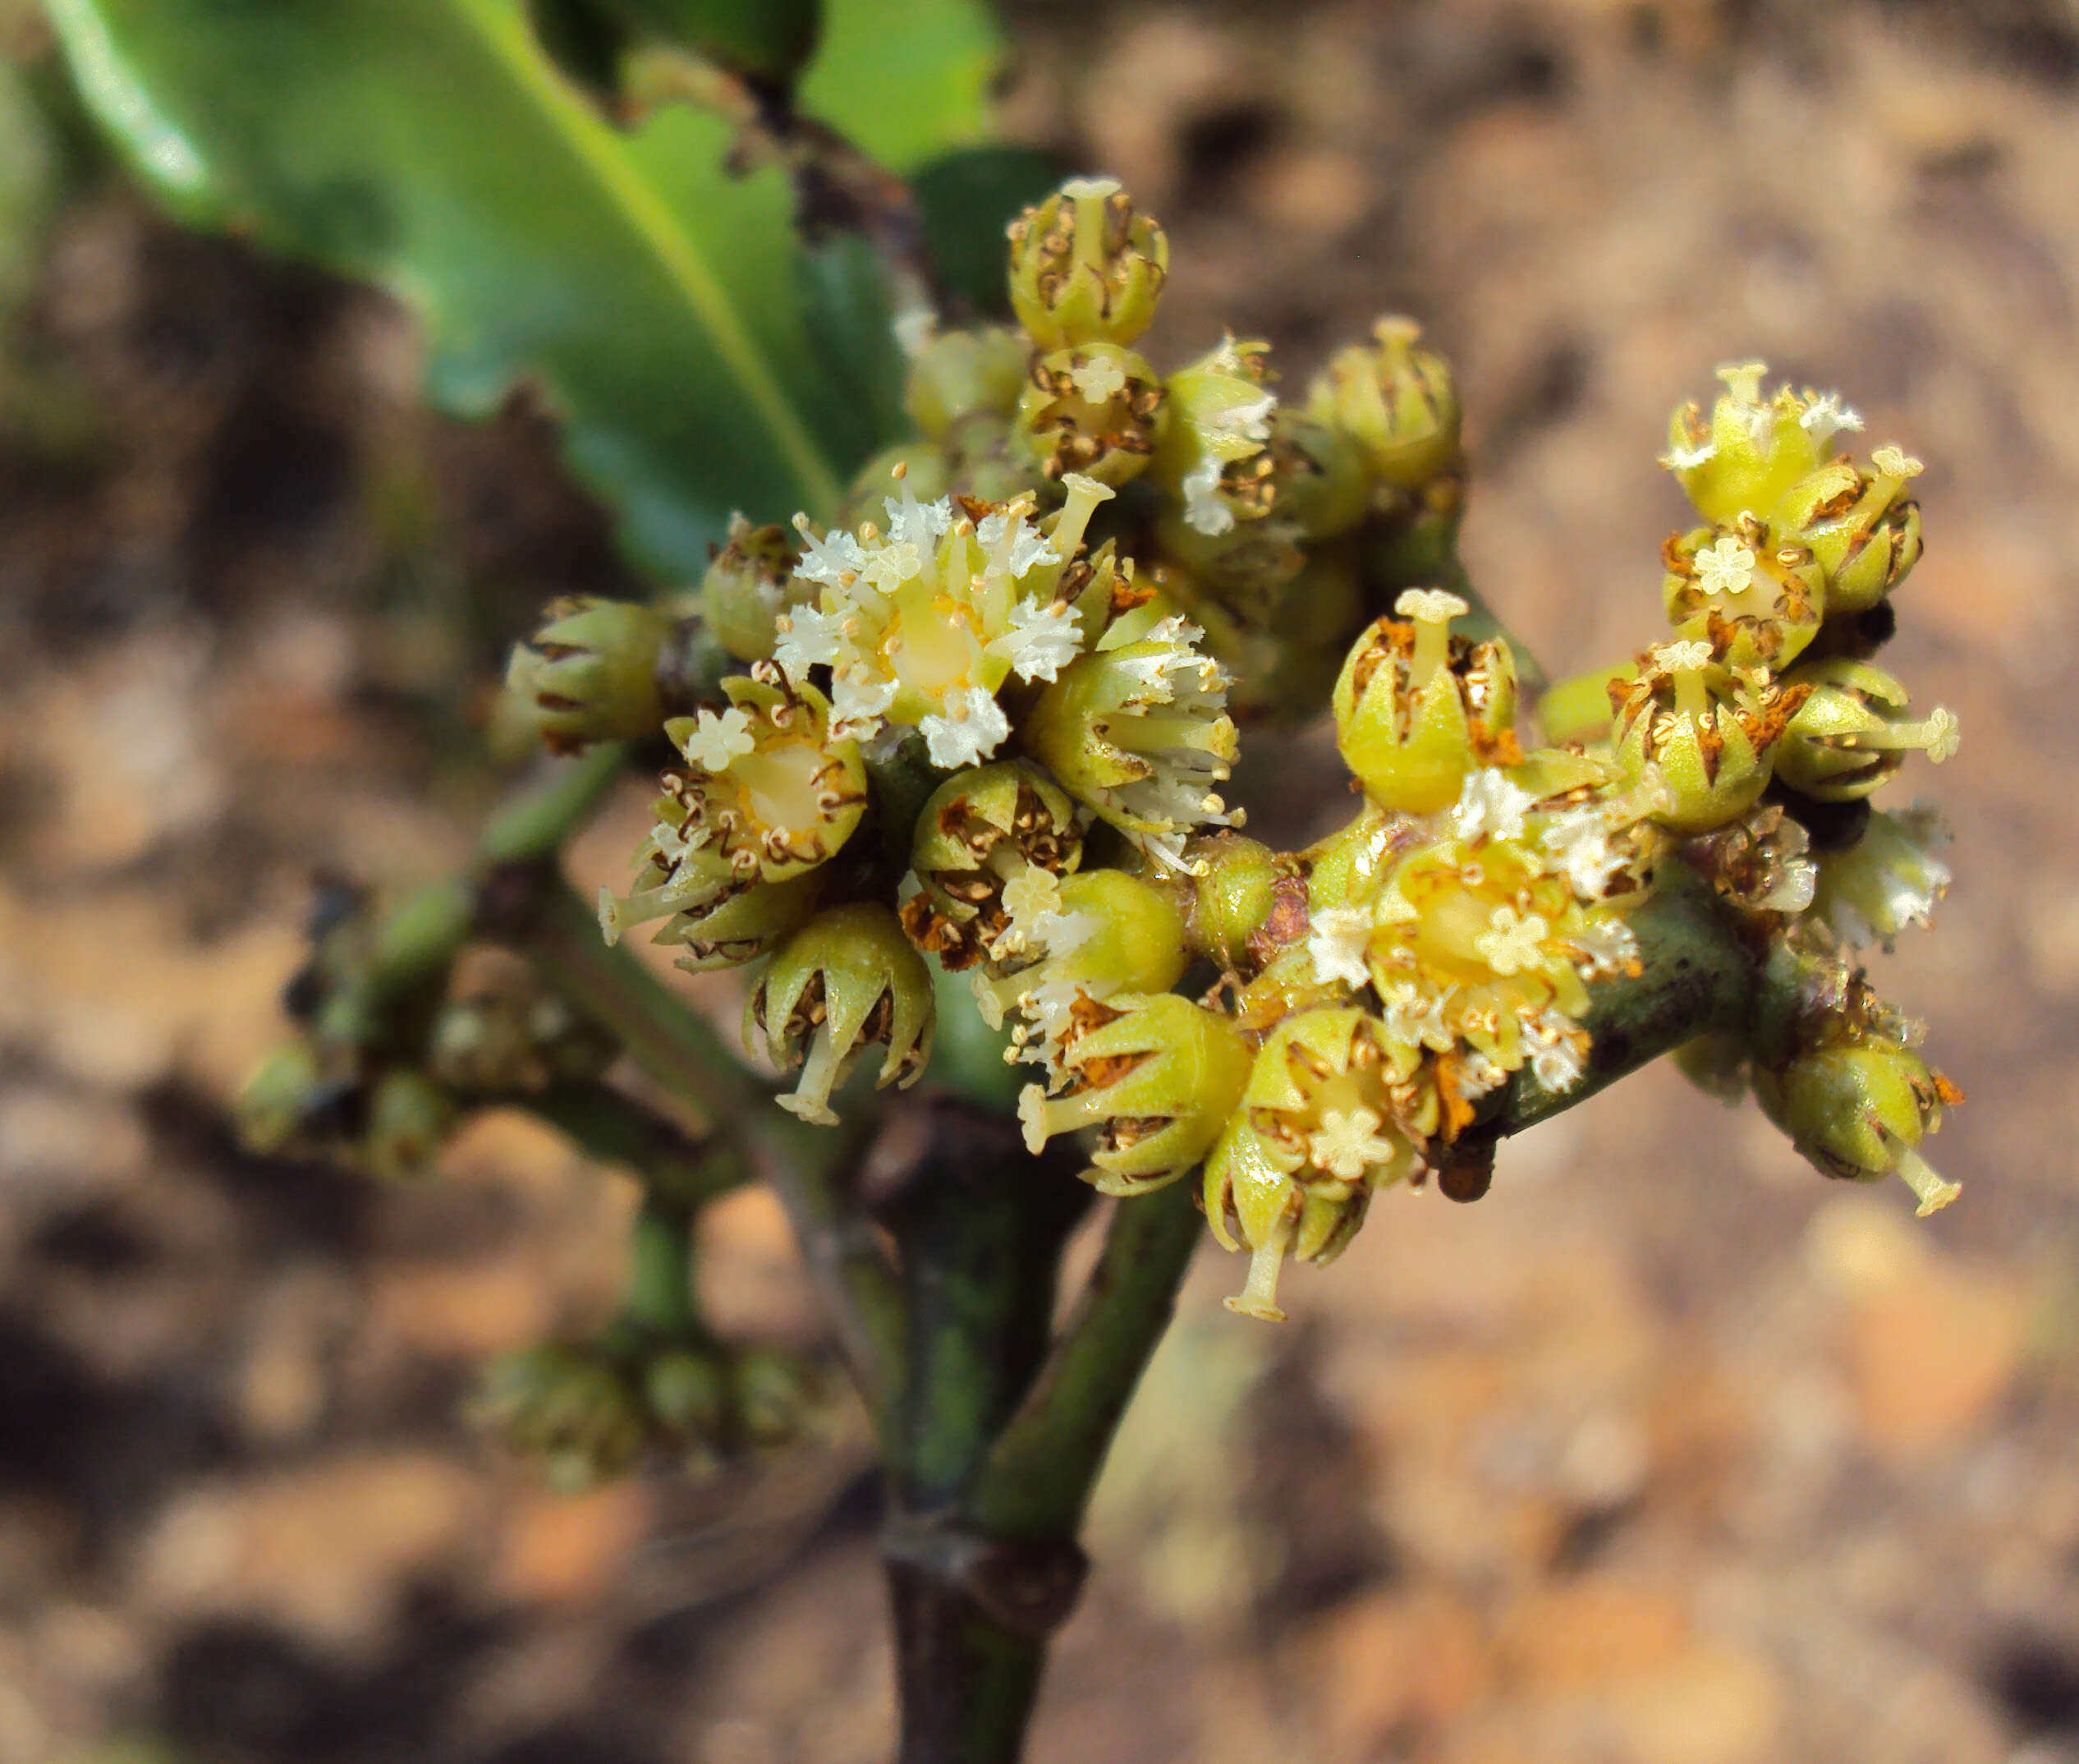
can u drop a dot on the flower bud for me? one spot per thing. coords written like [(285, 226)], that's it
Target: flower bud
[(1099, 410), (749, 585), (572, 1407), (769, 792), (1081, 939), (1861, 526), (1396, 401), (276, 1102), (1851, 733), (963, 374), (742, 924), (1322, 486), (686, 1392), (505, 1037), (1240, 884), (1086, 268), (409, 1119), (1756, 598), (1888, 880), (1708, 732), (847, 981), (1859, 1108), (1160, 1074), (1140, 732), (590, 673), (1215, 457), (775, 1395), (1417, 709), (1754, 447), (980, 832)]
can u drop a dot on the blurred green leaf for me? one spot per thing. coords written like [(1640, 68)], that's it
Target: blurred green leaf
[(433, 147), (905, 80), (968, 198)]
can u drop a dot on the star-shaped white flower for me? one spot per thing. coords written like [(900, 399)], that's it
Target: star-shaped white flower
[(1826, 417), (889, 566), (1727, 567), (1511, 944), (972, 728), (834, 560), (1577, 846), (1676, 658), (1042, 639), (1490, 805), (1416, 1019), (715, 740), (1944, 731), (808, 636), (1348, 1143), (858, 701), (1335, 939), (1098, 380)]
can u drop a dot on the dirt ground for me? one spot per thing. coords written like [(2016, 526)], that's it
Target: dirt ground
[(1669, 1452)]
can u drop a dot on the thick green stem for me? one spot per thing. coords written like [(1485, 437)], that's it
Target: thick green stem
[(660, 1270), (1044, 1465)]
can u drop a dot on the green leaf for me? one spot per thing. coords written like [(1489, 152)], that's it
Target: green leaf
[(968, 198), (432, 147), (905, 80)]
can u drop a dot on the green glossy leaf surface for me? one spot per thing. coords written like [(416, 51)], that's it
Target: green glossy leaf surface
[(432, 147)]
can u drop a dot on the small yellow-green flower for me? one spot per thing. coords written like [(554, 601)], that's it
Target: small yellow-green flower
[(1159, 1073), (1742, 586), (848, 980), (590, 673), (1709, 730), (1397, 401), (1851, 733), (1862, 527), (1086, 267), (1753, 446), (1417, 709), (977, 837)]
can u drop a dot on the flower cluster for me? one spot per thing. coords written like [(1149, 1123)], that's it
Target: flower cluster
[(976, 757)]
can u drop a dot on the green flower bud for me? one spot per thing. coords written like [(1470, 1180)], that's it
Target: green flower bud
[(769, 792), (1215, 457), (1417, 708), (1160, 1074), (734, 927), (1888, 880), (1245, 567), (962, 374), (1239, 885), (1099, 410), (749, 585), (1859, 1108), (1083, 938), (777, 1395), (1322, 485), (1757, 599), (1861, 526), (1396, 401), (1711, 733), (271, 1110), (1140, 732), (572, 1407), (1754, 448), (980, 832), (590, 673), (686, 1392), (409, 1119), (1851, 733), (849, 980), (1086, 268), (1253, 1203)]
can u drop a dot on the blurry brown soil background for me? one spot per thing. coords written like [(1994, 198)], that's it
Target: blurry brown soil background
[(1669, 1452)]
